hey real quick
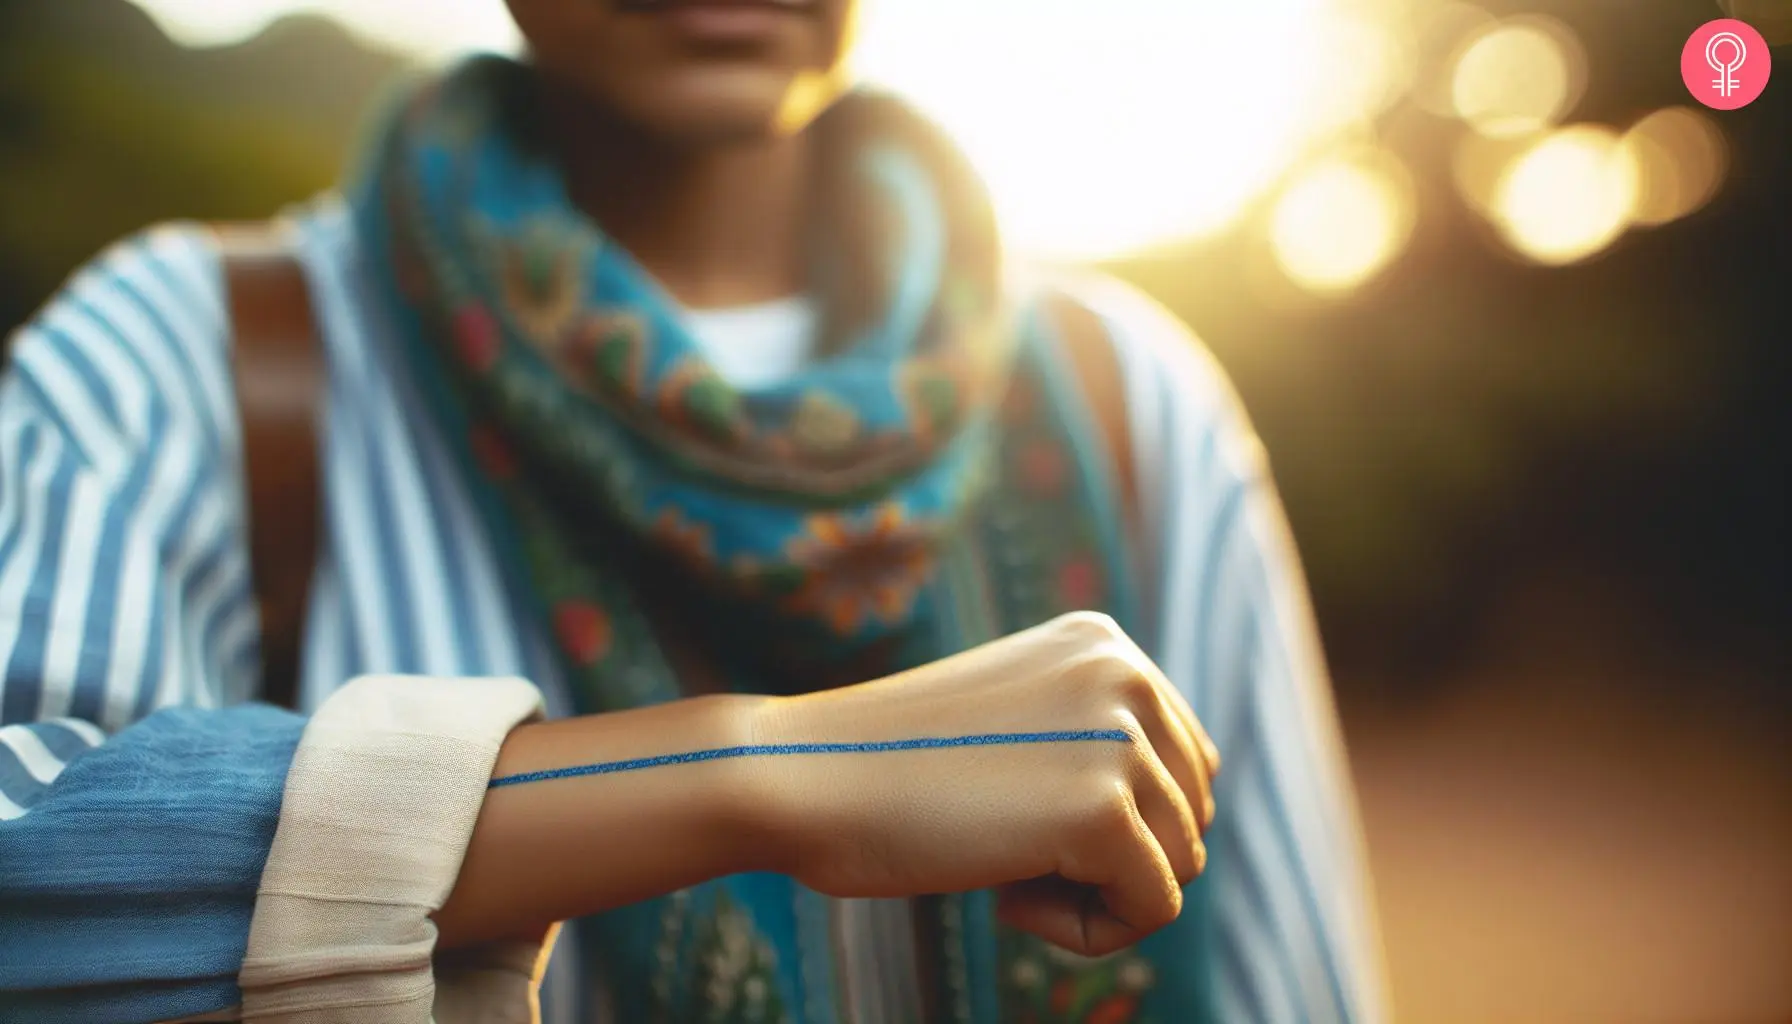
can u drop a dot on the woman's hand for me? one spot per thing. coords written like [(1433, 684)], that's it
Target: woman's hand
[(1090, 840)]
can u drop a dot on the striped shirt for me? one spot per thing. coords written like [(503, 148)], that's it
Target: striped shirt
[(124, 591)]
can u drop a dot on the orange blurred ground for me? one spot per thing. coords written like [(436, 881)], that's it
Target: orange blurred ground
[(1601, 840)]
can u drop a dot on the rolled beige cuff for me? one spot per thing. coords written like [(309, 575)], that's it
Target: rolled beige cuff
[(379, 807)]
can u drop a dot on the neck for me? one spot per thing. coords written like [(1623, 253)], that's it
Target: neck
[(716, 226)]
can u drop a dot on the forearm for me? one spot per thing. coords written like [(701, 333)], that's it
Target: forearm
[(566, 847)]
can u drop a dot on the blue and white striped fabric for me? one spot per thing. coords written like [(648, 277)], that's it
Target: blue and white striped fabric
[(124, 590)]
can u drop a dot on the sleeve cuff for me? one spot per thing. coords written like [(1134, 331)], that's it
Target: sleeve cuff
[(379, 807)]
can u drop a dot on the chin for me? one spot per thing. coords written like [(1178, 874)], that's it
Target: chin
[(728, 107)]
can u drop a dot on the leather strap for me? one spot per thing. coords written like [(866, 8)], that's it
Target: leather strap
[(279, 369)]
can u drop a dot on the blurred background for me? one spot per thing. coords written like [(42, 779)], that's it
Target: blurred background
[(1511, 312)]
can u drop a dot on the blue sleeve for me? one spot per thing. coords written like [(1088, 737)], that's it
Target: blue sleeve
[(126, 891), (138, 795), (1231, 625), (1292, 899)]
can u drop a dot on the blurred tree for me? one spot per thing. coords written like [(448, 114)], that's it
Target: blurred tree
[(107, 126)]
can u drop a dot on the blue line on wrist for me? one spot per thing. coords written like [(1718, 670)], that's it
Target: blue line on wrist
[(994, 739)]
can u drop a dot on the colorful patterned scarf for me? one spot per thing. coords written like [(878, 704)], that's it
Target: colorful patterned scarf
[(932, 481)]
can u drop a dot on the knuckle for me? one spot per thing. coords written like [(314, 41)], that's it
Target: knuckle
[(1090, 625), (1104, 671), (1160, 912), (1145, 768), (1135, 685), (1109, 817), (1190, 867), (1134, 759)]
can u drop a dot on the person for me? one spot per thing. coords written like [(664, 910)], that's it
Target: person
[(725, 550)]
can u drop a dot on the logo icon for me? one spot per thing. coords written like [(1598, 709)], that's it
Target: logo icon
[(1726, 64), (1726, 68)]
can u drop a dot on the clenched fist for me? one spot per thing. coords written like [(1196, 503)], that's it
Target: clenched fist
[(1057, 764)]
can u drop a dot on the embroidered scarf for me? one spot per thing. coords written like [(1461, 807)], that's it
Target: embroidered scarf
[(930, 482)]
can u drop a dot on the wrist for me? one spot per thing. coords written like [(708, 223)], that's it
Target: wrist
[(564, 847), (789, 807), (750, 801)]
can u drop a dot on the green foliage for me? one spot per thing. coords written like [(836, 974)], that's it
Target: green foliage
[(107, 127)]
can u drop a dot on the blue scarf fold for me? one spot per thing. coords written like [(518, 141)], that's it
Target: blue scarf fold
[(933, 481)]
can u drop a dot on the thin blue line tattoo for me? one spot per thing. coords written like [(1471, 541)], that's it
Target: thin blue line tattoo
[(993, 739)]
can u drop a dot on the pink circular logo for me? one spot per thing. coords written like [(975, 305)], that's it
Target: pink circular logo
[(1726, 64)]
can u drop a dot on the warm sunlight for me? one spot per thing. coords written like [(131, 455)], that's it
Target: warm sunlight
[(1342, 221), (431, 28), (1518, 76), (1479, 165), (1681, 159), (1102, 125), (1569, 196)]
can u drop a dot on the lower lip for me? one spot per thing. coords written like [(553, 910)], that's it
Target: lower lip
[(726, 22)]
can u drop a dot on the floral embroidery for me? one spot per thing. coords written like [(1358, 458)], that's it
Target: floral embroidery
[(823, 425), (856, 570), (539, 276), (1046, 985), (476, 337), (713, 406), (713, 964), (735, 967), (491, 451), (1113, 1010), (583, 630), (606, 351), (686, 540), (693, 393)]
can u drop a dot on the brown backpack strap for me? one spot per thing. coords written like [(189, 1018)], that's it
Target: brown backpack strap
[(279, 370)]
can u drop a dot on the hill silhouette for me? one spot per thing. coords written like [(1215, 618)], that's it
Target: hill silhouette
[(107, 125)]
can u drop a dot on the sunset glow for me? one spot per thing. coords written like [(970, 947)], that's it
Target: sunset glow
[(1101, 127)]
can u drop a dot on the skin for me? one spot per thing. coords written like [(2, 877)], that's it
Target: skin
[(1089, 843), (692, 153), (689, 146)]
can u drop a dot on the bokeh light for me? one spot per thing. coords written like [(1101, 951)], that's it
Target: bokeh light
[(1568, 196), (1443, 27), (1681, 159), (1102, 126), (1517, 76), (1180, 127), (1364, 64), (1112, 126), (1479, 164), (1342, 221)]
